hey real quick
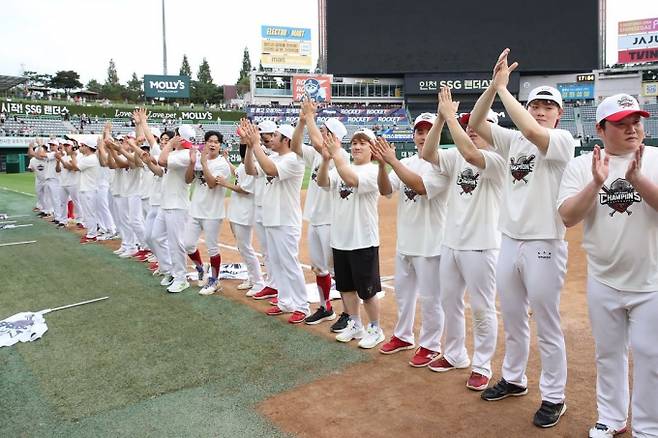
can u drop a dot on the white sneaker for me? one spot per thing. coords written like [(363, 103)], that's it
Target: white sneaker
[(128, 253), (178, 286), (151, 258), (167, 280), (350, 332), (245, 285), (212, 287), (374, 335), (119, 251), (602, 431)]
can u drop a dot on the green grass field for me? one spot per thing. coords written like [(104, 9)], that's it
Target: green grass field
[(144, 362)]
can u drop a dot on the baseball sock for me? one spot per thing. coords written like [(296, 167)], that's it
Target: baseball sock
[(196, 258), (357, 321), (215, 263), (324, 286)]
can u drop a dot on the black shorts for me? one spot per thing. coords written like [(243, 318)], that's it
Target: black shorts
[(357, 270)]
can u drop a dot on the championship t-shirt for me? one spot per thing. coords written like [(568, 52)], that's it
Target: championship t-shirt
[(621, 230), (473, 200), (354, 221), (68, 178), (421, 218), (89, 167), (317, 207), (528, 209), (51, 163), (241, 206), (132, 181), (208, 203), (175, 194), (38, 167), (281, 196)]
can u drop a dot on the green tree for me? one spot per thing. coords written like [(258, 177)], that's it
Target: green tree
[(246, 64), (66, 79), (133, 90), (185, 69), (204, 72), (112, 75), (35, 79), (94, 86), (203, 89)]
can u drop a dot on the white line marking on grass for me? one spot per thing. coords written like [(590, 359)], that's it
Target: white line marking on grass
[(17, 191), (12, 226), (18, 243)]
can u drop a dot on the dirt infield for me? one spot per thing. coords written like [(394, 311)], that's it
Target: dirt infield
[(387, 397)]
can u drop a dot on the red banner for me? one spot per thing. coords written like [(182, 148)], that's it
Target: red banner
[(637, 56), (317, 87)]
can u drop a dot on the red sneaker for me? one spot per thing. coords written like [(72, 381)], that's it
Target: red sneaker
[(395, 345), (266, 293), (296, 317), (153, 266), (274, 301), (423, 357), (273, 311), (85, 239), (440, 365), (477, 382)]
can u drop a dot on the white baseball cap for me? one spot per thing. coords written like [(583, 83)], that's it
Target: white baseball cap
[(286, 130), (615, 108), (545, 93), (187, 132), (365, 132), (491, 117), (267, 127), (89, 140), (155, 131), (428, 118), (336, 127), (53, 141)]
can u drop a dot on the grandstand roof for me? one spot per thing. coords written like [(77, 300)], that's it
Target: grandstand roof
[(7, 82)]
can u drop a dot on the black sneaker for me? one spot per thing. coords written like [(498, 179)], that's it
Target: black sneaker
[(341, 324), (321, 315), (503, 389), (549, 414)]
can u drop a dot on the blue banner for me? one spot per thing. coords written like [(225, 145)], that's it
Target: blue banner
[(576, 90), (285, 33)]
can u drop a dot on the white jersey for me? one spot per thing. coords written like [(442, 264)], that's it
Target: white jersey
[(259, 186), (354, 222), (421, 218), (473, 200), (104, 177), (241, 208), (132, 181), (528, 209), (621, 230), (281, 203), (117, 188), (317, 207), (51, 163), (68, 178), (38, 167), (155, 195), (208, 203), (146, 182), (89, 167), (175, 194)]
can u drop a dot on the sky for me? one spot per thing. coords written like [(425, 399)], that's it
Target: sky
[(52, 35)]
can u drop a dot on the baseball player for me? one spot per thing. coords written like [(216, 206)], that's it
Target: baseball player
[(354, 233), (533, 254), (267, 130), (241, 219), (421, 206), (206, 208), (35, 165), (471, 243), (88, 166), (69, 179), (282, 216), (176, 158), (317, 207), (614, 191)]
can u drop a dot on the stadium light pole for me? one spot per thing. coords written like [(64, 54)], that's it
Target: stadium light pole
[(602, 33), (164, 41)]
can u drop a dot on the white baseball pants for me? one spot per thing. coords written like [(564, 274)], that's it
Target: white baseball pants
[(476, 272), (171, 224), (193, 229), (157, 238), (618, 317), (105, 219), (530, 273), (243, 234), (283, 246), (417, 276), (262, 240), (88, 204)]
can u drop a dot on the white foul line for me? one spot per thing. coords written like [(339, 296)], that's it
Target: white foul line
[(17, 191), (18, 243)]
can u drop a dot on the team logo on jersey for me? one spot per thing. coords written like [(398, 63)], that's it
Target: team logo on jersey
[(314, 174), (40, 167), (199, 175), (468, 181), (410, 194), (521, 167), (269, 179), (619, 196), (345, 191)]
